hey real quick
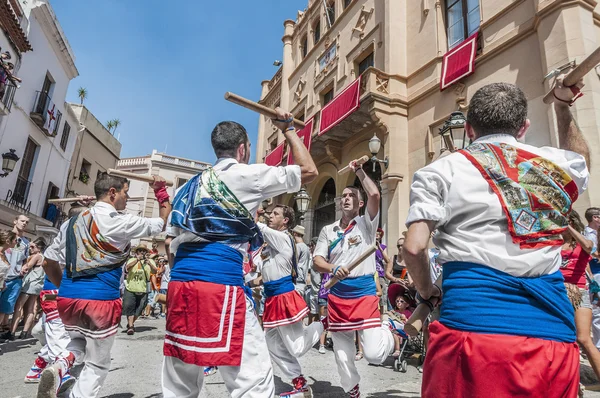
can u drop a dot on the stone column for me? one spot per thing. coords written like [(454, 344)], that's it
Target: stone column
[(308, 225), (288, 63)]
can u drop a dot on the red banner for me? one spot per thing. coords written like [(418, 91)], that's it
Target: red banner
[(275, 157), (306, 136), (340, 107), (459, 62)]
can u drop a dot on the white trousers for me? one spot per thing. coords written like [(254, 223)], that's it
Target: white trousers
[(377, 343), (596, 325), (288, 343), (253, 379), (96, 356), (53, 336)]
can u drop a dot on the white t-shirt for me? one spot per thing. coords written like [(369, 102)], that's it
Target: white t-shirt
[(352, 246), (471, 223), (166, 277)]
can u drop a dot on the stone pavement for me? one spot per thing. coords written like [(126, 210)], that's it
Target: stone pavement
[(136, 370)]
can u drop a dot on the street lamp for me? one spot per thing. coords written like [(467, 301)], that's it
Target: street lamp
[(374, 147), (452, 131), (9, 161), (302, 201)]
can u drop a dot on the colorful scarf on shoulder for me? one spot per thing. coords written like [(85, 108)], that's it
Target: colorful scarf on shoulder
[(535, 193), (87, 250), (206, 207)]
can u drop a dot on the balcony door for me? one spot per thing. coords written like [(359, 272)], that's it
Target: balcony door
[(25, 176)]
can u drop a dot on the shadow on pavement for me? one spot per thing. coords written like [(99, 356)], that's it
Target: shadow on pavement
[(120, 395), (393, 393)]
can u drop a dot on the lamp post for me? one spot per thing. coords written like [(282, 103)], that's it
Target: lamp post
[(374, 147), (302, 201), (452, 131), (9, 161)]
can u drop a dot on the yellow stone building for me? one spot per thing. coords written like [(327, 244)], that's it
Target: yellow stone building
[(397, 48)]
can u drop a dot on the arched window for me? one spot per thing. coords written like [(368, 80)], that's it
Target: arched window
[(325, 207)]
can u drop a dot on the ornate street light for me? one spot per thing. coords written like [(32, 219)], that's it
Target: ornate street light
[(453, 132), (374, 147), (9, 161), (302, 202)]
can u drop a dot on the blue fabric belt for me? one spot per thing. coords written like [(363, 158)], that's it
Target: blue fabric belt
[(351, 288), (279, 286), (209, 262), (481, 299), (102, 286), (49, 285)]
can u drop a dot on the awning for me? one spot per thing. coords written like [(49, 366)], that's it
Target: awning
[(275, 157), (306, 136), (340, 107), (459, 62)]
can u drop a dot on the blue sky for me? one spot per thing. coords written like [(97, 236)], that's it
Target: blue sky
[(162, 67)]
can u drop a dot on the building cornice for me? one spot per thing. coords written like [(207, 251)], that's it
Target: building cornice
[(43, 12)]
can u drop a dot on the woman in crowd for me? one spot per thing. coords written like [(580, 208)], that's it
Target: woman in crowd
[(575, 264), (27, 304), (8, 239)]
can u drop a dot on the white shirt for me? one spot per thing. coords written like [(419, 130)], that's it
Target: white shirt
[(472, 226), (592, 235), (251, 184), (304, 262), (354, 244), (277, 255), (117, 228), (166, 277)]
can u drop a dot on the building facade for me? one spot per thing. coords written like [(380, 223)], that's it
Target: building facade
[(397, 50), (142, 201), (32, 116)]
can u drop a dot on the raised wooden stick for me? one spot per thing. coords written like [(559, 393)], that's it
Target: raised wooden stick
[(370, 250), (134, 176), (256, 107), (416, 321), (69, 200), (360, 161), (576, 74)]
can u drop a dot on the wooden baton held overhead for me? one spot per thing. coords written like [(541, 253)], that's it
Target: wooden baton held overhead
[(576, 74), (360, 161), (370, 250), (416, 321), (67, 200), (134, 176), (256, 107)]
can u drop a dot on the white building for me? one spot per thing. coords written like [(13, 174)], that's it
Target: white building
[(34, 122), (171, 168)]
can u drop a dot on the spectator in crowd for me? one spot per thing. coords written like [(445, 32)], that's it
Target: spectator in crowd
[(592, 216), (14, 280), (27, 304), (402, 300), (139, 271), (314, 283), (304, 259), (382, 262), (576, 254), (153, 288), (8, 239), (165, 272), (395, 271), (323, 294)]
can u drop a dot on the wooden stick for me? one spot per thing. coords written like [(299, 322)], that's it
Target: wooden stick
[(134, 176), (370, 250), (360, 161), (256, 107), (68, 200), (576, 74), (416, 321)]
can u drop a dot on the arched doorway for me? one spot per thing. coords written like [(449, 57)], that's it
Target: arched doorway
[(325, 207), (376, 177)]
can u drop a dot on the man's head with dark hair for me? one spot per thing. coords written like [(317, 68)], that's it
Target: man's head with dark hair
[(497, 108), (592, 216), (352, 201), (230, 140), (282, 218), (112, 190)]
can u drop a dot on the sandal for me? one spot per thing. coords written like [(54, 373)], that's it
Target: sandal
[(396, 354), (130, 330), (359, 356)]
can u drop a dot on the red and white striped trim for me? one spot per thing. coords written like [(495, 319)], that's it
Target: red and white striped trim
[(296, 318), (52, 315), (359, 325), (93, 334)]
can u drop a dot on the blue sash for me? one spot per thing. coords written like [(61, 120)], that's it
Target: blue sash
[(351, 288), (279, 286), (49, 285), (481, 299)]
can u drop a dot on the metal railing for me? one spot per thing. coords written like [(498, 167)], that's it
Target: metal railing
[(18, 196), (45, 108), (9, 95)]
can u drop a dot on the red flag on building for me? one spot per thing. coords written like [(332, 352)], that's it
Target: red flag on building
[(459, 62), (306, 136), (340, 107), (275, 157)]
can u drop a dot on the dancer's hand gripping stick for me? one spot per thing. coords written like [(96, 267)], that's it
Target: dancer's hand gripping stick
[(359, 162), (370, 250), (258, 108)]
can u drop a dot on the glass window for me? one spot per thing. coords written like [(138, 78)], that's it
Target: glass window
[(327, 97), (317, 32), (331, 12), (365, 64), (462, 20), (304, 46), (65, 136), (347, 3)]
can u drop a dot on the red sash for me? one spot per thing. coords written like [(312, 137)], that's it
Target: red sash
[(535, 193), (353, 314), (284, 309), (96, 319)]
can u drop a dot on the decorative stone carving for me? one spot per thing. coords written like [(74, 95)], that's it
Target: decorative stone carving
[(362, 20), (300, 89), (334, 152)]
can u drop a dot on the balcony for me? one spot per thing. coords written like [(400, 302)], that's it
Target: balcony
[(45, 115), (18, 197), (7, 99)]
